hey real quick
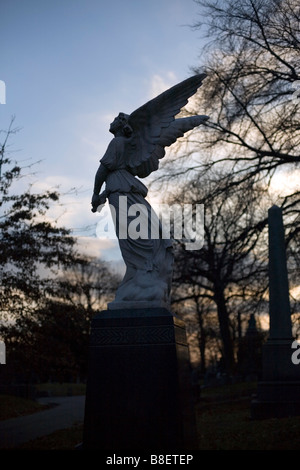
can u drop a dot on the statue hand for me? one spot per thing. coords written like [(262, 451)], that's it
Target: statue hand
[(97, 200)]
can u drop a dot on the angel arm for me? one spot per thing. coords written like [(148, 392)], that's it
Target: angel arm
[(100, 178)]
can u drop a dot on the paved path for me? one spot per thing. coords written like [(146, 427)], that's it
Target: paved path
[(16, 431)]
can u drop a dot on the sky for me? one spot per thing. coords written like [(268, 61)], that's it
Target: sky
[(69, 67)]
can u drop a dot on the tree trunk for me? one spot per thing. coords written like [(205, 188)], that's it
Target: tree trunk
[(224, 330), (201, 340)]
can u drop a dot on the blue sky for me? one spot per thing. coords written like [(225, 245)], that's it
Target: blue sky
[(69, 67)]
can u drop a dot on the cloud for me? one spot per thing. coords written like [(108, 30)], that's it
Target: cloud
[(93, 246), (88, 132), (285, 182), (160, 83), (106, 249), (73, 212)]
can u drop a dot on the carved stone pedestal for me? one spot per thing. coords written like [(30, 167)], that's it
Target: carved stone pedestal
[(139, 383)]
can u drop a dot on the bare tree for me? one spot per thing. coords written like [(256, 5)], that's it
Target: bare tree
[(253, 134), (48, 290), (252, 67), (230, 269), (252, 63), (30, 244), (88, 283)]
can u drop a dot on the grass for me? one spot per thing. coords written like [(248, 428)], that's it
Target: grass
[(224, 423), (223, 420), (65, 439), (228, 426), (13, 407), (61, 389)]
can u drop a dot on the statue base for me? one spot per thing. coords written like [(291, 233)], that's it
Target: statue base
[(139, 392)]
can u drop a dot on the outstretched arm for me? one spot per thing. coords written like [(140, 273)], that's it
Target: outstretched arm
[(100, 178)]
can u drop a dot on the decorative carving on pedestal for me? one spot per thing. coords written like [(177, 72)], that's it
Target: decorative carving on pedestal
[(131, 335)]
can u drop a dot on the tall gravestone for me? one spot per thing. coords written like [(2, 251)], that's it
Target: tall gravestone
[(278, 392)]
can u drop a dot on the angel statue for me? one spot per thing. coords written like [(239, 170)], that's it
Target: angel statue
[(139, 143)]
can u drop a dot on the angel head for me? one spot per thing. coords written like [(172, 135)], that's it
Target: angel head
[(120, 126)]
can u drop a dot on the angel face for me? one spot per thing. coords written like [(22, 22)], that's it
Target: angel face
[(116, 127)]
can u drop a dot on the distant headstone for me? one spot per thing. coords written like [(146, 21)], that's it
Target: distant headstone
[(249, 353)]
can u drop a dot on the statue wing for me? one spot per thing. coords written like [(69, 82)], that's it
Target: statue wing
[(155, 127)]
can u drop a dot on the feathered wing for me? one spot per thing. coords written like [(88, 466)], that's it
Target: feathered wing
[(178, 128), (155, 127)]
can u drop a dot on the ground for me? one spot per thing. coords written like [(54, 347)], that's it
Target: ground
[(223, 422)]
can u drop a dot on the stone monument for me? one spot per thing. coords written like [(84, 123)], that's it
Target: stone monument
[(139, 392), (249, 352), (278, 392)]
